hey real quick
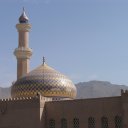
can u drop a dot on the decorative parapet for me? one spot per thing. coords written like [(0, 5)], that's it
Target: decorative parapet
[(60, 98), (17, 99), (27, 98)]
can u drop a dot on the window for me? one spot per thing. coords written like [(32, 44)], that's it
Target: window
[(75, 123), (91, 122), (118, 122), (63, 123), (51, 123), (104, 122)]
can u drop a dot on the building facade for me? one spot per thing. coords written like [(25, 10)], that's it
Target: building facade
[(45, 98), (42, 112)]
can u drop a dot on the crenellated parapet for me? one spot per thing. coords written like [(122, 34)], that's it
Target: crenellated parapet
[(10, 104), (17, 99), (38, 97)]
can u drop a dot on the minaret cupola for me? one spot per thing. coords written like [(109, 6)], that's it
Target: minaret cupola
[(23, 18)]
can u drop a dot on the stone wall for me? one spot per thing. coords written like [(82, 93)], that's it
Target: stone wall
[(78, 112), (20, 113)]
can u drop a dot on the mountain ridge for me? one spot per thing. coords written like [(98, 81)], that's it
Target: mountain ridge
[(95, 89)]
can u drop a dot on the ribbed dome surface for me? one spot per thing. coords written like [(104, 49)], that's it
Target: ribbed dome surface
[(46, 81)]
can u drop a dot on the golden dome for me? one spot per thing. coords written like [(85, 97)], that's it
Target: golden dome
[(46, 81)]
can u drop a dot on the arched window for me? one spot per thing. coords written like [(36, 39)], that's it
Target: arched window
[(104, 122), (75, 123), (118, 122), (63, 123), (51, 123), (91, 122)]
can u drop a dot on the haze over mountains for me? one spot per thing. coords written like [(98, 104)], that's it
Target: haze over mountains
[(91, 89), (95, 89)]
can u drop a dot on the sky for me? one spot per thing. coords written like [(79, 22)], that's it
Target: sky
[(83, 39)]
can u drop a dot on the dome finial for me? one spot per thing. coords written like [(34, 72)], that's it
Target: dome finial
[(23, 18), (43, 60), (23, 9)]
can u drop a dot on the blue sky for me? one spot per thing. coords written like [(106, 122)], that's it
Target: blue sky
[(83, 39)]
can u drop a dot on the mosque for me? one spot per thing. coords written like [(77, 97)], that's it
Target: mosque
[(45, 98)]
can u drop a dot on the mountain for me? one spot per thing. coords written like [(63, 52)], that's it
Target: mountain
[(5, 92), (95, 89), (91, 89)]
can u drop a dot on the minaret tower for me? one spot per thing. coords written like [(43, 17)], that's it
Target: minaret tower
[(23, 52)]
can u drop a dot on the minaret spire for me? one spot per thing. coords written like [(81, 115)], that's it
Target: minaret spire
[(23, 18), (23, 52)]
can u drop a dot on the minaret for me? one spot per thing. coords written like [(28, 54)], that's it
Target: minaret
[(23, 52)]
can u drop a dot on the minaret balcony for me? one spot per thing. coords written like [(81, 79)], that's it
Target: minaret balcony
[(23, 53), (23, 27)]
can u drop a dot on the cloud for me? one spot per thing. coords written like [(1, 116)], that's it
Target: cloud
[(77, 77), (92, 77)]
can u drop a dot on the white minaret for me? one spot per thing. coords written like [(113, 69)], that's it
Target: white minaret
[(23, 52)]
